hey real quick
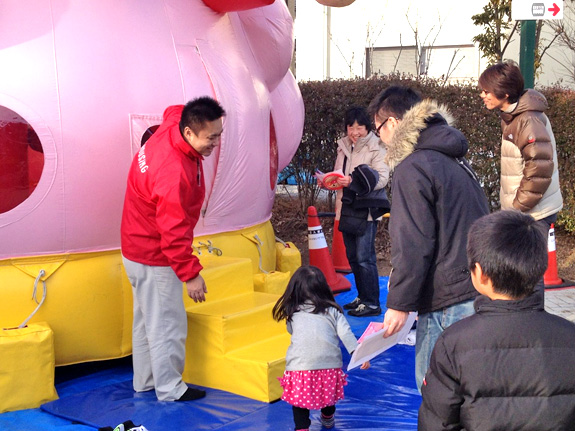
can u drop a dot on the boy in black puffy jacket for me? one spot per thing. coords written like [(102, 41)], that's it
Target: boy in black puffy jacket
[(511, 366)]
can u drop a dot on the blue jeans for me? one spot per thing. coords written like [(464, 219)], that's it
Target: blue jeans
[(547, 221), (360, 251), (429, 328)]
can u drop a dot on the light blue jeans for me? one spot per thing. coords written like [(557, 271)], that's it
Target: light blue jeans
[(429, 328)]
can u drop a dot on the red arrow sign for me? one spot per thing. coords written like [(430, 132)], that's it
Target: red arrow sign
[(555, 9)]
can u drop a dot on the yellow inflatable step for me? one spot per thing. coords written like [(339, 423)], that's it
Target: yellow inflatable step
[(251, 371), (251, 362), (234, 322), (225, 277), (233, 343)]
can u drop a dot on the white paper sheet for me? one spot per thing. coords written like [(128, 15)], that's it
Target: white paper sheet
[(374, 344)]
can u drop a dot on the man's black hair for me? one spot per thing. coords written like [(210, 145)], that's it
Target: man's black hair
[(198, 112), (511, 248), (394, 101)]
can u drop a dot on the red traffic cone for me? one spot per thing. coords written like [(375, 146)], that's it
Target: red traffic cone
[(319, 254), (551, 278), (338, 256)]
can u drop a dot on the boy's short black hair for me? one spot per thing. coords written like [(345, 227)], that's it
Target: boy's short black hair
[(198, 112), (394, 101), (511, 248), (359, 115)]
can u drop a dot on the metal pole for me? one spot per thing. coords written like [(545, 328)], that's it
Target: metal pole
[(328, 47), (527, 52)]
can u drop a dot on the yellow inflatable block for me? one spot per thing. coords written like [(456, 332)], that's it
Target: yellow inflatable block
[(273, 282), (242, 243), (26, 367), (258, 366), (288, 257), (251, 371), (234, 322), (88, 303), (89, 298), (224, 277), (233, 343)]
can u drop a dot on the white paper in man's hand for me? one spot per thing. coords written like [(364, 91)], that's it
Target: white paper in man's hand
[(373, 344)]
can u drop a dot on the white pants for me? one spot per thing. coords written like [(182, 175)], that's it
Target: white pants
[(159, 331)]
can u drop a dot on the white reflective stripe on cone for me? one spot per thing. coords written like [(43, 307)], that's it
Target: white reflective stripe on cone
[(316, 239), (551, 240)]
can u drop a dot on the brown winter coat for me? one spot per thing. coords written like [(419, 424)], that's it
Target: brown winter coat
[(529, 174)]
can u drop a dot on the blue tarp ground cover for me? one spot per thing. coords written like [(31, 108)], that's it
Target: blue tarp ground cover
[(381, 398)]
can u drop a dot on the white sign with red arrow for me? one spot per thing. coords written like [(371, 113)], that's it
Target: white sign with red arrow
[(525, 10)]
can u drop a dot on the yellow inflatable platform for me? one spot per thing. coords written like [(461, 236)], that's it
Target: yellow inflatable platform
[(233, 343)]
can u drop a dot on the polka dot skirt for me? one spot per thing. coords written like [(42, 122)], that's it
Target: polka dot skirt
[(313, 389)]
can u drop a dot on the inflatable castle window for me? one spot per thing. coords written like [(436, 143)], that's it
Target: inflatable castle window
[(21, 159)]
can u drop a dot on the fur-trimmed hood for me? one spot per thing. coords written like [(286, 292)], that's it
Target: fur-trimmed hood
[(426, 125)]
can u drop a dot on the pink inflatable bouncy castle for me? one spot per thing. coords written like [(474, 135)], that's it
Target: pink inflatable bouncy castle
[(81, 86)]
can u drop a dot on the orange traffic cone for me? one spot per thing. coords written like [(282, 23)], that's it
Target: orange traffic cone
[(319, 254), (338, 255), (551, 278)]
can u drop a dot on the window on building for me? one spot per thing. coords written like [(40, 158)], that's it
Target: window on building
[(450, 62), (384, 61)]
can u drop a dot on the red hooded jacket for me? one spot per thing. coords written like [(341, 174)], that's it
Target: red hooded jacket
[(163, 201)]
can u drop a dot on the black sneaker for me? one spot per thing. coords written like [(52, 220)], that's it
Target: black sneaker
[(363, 310), (352, 305), (192, 394)]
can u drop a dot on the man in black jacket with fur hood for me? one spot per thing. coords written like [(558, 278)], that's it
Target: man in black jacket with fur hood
[(435, 199)]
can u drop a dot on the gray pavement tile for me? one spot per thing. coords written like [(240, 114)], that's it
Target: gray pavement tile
[(561, 302)]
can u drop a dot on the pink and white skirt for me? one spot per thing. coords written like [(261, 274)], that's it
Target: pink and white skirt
[(314, 389)]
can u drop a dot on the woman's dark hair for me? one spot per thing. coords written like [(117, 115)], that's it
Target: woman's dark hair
[(511, 248), (503, 79), (357, 114), (307, 285), (198, 112), (394, 101)]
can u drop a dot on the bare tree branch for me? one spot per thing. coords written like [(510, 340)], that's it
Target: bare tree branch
[(449, 70), (548, 46), (422, 54), (509, 38), (564, 37), (398, 55)]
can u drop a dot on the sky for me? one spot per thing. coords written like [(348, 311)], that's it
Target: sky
[(387, 23)]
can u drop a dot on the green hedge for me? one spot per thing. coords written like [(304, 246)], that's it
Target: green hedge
[(326, 102)]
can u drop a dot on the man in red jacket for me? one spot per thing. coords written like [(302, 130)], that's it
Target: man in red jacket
[(163, 200)]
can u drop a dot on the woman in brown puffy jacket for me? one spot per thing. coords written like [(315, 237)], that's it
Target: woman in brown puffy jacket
[(529, 174)]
